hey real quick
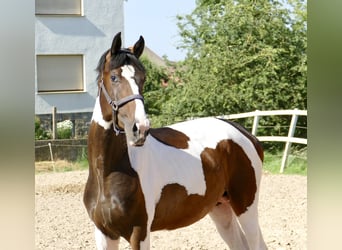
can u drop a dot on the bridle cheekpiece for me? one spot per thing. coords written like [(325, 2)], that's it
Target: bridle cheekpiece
[(118, 104)]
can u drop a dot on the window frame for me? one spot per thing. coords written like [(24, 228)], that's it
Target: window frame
[(61, 91), (52, 12)]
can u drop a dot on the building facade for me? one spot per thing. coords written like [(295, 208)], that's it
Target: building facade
[(70, 37)]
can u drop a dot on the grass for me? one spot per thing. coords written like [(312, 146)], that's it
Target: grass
[(296, 164), (60, 166)]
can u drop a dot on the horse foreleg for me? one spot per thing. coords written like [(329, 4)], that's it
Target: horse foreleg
[(140, 239), (105, 243), (227, 226)]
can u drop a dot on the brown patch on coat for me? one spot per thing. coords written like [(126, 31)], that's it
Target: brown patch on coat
[(178, 209), (170, 137), (229, 176), (251, 137), (113, 195), (241, 183), (106, 109)]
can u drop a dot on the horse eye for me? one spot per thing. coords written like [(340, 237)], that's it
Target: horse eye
[(114, 78)]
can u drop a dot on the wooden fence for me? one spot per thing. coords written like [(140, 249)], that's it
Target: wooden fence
[(289, 139)]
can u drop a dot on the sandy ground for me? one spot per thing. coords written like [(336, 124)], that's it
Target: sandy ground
[(61, 221)]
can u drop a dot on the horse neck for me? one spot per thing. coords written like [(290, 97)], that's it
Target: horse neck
[(107, 152)]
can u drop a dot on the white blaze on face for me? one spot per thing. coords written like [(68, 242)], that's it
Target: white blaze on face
[(140, 115)]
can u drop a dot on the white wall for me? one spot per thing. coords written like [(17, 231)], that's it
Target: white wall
[(90, 35)]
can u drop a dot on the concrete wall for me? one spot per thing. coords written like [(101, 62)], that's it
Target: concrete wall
[(90, 34)]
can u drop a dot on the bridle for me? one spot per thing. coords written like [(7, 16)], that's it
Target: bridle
[(116, 105)]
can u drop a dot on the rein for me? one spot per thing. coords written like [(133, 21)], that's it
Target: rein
[(116, 105)]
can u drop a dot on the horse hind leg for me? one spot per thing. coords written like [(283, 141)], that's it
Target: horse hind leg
[(250, 225), (228, 226), (247, 216), (243, 191)]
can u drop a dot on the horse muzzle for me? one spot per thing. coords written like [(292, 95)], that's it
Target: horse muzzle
[(139, 134)]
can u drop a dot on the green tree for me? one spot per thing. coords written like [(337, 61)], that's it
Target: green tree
[(154, 92), (242, 55)]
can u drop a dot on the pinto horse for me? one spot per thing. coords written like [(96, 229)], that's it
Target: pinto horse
[(143, 179)]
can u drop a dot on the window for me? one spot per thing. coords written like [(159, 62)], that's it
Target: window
[(60, 73), (59, 7)]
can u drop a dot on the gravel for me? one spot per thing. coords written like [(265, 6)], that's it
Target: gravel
[(61, 220)]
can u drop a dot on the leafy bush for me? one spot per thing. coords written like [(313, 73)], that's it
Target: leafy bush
[(154, 92), (241, 56), (64, 129), (40, 133)]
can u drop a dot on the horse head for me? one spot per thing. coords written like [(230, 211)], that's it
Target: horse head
[(121, 78)]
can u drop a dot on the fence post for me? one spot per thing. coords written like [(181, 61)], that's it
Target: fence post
[(51, 155), (288, 143), (73, 129), (255, 122), (54, 125)]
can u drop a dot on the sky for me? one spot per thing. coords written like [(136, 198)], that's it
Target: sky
[(156, 21)]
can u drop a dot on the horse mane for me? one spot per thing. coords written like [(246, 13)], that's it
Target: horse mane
[(123, 57)]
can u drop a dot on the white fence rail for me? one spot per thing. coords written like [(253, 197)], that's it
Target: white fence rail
[(289, 139)]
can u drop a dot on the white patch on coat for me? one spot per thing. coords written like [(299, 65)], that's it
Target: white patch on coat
[(159, 165), (207, 132), (128, 72), (98, 117), (105, 243)]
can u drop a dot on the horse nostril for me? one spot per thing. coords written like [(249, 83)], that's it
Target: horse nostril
[(135, 128), (147, 132)]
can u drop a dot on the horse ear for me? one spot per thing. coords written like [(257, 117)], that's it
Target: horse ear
[(116, 44), (138, 47)]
